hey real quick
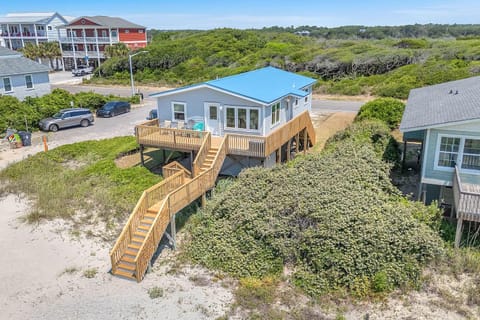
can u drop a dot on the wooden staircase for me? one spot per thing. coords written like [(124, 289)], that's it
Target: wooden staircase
[(134, 249)]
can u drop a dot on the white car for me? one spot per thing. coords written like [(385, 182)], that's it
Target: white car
[(82, 70)]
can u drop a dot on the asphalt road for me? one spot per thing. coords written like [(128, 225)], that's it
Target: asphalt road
[(317, 104)]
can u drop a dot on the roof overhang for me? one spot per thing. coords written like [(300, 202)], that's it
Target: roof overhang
[(439, 125)]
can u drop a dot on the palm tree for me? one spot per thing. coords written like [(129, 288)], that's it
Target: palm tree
[(116, 50), (31, 51), (51, 50)]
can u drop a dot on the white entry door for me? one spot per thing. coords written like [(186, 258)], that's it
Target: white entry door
[(212, 118)]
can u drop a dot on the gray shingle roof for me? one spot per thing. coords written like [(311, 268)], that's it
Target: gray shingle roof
[(34, 17), (105, 21), (444, 103), (12, 63)]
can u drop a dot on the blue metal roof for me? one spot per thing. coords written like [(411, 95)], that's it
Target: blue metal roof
[(265, 85)]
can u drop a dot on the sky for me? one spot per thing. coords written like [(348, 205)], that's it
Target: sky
[(244, 14)]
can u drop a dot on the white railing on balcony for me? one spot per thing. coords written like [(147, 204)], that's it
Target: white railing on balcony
[(88, 39), (466, 198), (81, 54)]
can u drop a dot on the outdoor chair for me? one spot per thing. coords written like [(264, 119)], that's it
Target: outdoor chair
[(181, 125), (167, 124)]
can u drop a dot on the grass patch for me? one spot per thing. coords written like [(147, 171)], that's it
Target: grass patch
[(69, 270), (155, 292), (90, 273), (79, 178)]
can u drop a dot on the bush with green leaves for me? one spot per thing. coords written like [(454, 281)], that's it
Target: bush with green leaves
[(388, 110), (333, 218)]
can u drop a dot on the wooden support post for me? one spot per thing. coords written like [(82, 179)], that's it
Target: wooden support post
[(305, 141), (404, 157), (458, 233), (289, 147), (142, 159), (191, 163), (204, 200), (174, 232), (297, 141), (278, 153)]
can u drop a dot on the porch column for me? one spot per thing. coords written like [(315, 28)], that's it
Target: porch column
[(9, 36), (458, 233), (35, 33), (73, 47), (404, 156), (289, 147), (98, 48), (21, 35)]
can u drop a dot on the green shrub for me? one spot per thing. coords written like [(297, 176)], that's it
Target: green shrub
[(388, 110), (334, 218)]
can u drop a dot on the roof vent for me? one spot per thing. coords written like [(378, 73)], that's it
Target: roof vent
[(456, 91), (450, 92)]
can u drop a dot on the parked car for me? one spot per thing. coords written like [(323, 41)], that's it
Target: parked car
[(82, 70), (113, 108), (152, 114), (67, 118)]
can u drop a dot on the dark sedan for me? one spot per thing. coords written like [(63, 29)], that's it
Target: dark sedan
[(113, 108)]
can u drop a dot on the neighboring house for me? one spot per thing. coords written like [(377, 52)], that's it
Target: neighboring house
[(256, 118), (83, 40), (446, 119), (18, 29), (21, 77)]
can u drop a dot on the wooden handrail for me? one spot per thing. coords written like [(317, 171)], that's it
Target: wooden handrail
[(119, 248), (172, 168), (202, 154)]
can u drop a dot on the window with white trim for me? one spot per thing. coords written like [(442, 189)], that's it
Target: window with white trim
[(7, 85), (463, 152), (448, 154), (296, 103), (471, 154), (29, 81), (178, 109), (275, 113), (242, 118)]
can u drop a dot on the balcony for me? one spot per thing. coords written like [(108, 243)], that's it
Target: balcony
[(87, 39), (25, 35), (466, 198), (81, 54)]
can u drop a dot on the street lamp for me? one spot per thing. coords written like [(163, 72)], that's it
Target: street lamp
[(131, 72)]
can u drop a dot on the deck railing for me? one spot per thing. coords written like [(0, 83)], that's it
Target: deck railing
[(148, 199), (237, 144), (172, 168), (151, 135), (202, 154), (467, 204)]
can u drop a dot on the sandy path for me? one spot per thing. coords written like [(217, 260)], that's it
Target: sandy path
[(36, 286)]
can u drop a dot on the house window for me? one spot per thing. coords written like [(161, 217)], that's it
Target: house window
[(213, 115), (448, 154), (50, 28), (254, 119), (463, 152), (7, 85), (242, 118), (178, 111), (296, 103), (275, 113), (471, 154), (140, 30), (29, 81), (127, 31), (231, 117)]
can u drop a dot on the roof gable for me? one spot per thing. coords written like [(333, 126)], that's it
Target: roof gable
[(83, 21), (31, 17), (442, 104), (264, 86)]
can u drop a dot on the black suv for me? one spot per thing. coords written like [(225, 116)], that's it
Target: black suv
[(112, 108), (67, 118)]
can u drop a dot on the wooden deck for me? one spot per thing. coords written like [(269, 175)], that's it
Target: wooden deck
[(156, 208)]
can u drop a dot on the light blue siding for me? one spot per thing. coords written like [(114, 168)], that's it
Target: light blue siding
[(41, 85), (195, 100), (443, 176)]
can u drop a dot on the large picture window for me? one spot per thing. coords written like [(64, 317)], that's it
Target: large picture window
[(242, 118), (178, 111), (458, 151), (275, 113)]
